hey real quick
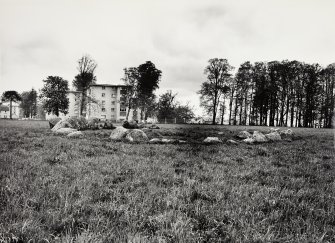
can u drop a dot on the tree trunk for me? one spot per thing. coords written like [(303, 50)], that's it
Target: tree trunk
[(231, 106), (235, 111), (10, 108), (214, 106), (129, 105)]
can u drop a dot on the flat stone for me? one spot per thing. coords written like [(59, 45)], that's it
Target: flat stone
[(249, 140), (231, 141), (155, 140), (75, 134), (212, 140), (65, 130)]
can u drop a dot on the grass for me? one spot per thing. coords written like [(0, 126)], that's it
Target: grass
[(56, 189)]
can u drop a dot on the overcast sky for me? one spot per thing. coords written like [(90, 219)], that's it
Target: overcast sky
[(39, 38)]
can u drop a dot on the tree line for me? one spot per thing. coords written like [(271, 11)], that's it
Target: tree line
[(276, 93)]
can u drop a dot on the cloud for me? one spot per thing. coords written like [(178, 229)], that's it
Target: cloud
[(40, 38)]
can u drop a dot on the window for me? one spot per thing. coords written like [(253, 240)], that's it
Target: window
[(113, 102), (103, 94), (103, 109), (103, 103), (103, 87), (113, 95), (123, 108), (112, 109)]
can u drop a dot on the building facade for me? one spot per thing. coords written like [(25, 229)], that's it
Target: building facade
[(5, 113), (106, 102)]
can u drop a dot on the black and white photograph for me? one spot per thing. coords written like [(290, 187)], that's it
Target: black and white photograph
[(176, 121)]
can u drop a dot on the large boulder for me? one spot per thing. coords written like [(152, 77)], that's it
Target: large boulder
[(65, 130), (273, 136), (286, 132), (244, 135), (54, 121), (78, 123), (136, 135), (130, 125), (212, 140), (119, 133), (259, 137), (75, 134), (286, 135)]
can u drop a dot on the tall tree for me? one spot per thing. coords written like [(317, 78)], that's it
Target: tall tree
[(29, 103), (328, 94), (83, 80), (169, 108), (243, 81), (11, 96), (54, 95), (211, 90), (148, 79), (129, 96), (166, 105)]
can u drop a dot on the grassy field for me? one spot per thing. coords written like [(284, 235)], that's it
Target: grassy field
[(56, 189)]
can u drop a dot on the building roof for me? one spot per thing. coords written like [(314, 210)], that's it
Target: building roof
[(110, 85)]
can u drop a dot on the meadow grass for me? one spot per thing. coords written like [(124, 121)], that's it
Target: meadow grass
[(91, 189)]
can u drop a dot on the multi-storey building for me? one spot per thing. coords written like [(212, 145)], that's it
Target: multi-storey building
[(106, 102), (74, 102), (5, 112)]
